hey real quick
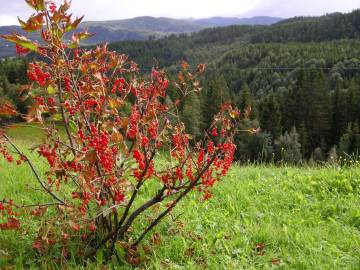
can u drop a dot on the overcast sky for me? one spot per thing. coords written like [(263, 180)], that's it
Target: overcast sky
[(119, 9)]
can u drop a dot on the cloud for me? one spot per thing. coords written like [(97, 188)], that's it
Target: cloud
[(8, 20), (111, 9), (291, 8)]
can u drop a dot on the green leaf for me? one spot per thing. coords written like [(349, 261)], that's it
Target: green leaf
[(51, 90), (73, 45), (85, 35), (22, 41), (28, 45), (100, 256), (72, 126), (57, 117), (72, 26)]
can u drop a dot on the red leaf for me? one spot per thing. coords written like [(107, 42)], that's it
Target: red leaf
[(7, 109), (37, 245), (74, 226), (39, 211), (12, 224)]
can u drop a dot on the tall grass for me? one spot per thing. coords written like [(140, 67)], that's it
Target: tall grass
[(261, 217)]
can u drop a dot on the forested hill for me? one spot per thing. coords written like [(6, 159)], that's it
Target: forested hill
[(303, 29), (300, 76), (196, 46)]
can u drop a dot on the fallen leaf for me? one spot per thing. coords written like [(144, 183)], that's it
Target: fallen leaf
[(260, 246), (275, 261)]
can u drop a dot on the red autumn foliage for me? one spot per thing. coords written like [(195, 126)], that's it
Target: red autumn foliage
[(96, 174)]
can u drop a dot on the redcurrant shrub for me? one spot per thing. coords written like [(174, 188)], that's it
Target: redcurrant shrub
[(122, 135)]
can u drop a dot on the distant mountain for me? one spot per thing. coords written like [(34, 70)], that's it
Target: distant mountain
[(146, 24), (225, 21), (141, 28)]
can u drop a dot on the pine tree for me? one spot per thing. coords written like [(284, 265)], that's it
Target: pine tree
[(245, 99), (295, 105), (304, 140), (350, 141), (340, 116), (308, 104), (216, 93), (270, 115), (191, 115), (318, 119), (354, 100)]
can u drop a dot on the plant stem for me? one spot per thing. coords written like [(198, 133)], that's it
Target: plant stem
[(34, 171)]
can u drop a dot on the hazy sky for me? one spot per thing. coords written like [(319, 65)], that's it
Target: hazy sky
[(119, 9)]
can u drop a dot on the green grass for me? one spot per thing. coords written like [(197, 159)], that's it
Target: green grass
[(308, 218)]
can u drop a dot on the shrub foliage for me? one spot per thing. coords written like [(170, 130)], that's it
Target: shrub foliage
[(106, 172)]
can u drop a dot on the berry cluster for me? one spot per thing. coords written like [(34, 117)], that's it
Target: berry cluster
[(21, 50), (36, 74)]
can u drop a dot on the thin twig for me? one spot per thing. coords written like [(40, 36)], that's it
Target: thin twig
[(34, 171), (32, 205)]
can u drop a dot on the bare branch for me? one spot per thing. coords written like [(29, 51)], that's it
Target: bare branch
[(38, 178)]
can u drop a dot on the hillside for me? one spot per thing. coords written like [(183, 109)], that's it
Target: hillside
[(302, 73), (141, 28), (209, 44)]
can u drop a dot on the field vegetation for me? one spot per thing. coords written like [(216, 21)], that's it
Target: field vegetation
[(261, 217)]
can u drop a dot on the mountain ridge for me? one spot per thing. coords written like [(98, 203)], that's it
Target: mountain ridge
[(139, 28), (226, 21)]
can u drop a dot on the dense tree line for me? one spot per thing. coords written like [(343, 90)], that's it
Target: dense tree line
[(312, 87), (12, 75), (307, 121), (306, 29)]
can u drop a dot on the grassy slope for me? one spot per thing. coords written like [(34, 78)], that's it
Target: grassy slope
[(309, 218)]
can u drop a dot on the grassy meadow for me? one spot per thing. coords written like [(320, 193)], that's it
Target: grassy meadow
[(261, 217)]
